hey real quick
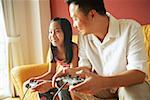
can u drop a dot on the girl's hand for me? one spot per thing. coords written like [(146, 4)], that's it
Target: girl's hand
[(33, 79), (43, 86), (58, 74)]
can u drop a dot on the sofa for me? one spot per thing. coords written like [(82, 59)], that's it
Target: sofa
[(22, 73)]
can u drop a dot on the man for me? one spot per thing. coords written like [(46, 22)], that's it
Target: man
[(111, 54)]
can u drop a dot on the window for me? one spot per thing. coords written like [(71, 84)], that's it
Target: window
[(4, 84)]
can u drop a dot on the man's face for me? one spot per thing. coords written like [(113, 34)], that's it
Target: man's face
[(80, 21)]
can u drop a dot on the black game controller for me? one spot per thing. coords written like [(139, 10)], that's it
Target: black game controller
[(70, 80), (31, 84)]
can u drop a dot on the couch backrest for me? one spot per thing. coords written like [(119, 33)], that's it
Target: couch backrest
[(146, 32)]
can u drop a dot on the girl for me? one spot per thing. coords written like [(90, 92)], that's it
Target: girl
[(63, 55)]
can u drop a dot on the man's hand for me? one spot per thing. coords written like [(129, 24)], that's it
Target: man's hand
[(73, 71), (92, 84), (68, 71)]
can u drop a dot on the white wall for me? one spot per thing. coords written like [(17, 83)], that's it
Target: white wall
[(32, 23)]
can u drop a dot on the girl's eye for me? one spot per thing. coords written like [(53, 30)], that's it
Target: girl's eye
[(50, 32), (57, 31)]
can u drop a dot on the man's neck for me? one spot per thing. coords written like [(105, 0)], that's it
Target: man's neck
[(102, 28)]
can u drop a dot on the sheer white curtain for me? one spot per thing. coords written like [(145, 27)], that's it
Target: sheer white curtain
[(4, 76), (26, 24), (14, 42), (13, 48)]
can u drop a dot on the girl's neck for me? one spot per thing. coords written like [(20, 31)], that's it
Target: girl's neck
[(60, 48), (60, 53)]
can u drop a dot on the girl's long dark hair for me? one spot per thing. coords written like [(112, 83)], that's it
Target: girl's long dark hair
[(67, 30)]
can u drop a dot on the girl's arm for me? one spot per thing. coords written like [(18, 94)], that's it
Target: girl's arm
[(48, 75)]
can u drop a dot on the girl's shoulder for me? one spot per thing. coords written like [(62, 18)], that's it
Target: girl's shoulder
[(75, 55), (74, 47)]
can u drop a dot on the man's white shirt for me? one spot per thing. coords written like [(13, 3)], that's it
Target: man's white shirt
[(122, 48)]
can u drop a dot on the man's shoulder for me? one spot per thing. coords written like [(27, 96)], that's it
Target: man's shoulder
[(129, 23), (122, 26)]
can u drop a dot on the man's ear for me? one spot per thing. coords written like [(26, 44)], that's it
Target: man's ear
[(92, 14)]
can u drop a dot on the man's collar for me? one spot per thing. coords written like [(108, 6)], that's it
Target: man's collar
[(113, 28)]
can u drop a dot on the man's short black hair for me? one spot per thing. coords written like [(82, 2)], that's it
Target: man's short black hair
[(87, 5)]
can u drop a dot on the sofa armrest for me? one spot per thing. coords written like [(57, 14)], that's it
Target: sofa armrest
[(20, 74), (148, 70)]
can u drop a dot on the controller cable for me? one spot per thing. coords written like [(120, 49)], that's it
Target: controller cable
[(25, 93), (53, 96), (59, 90)]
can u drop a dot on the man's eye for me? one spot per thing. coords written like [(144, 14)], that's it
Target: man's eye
[(75, 19)]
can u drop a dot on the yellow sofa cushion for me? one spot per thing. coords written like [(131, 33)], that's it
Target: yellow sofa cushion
[(22, 73), (146, 32)]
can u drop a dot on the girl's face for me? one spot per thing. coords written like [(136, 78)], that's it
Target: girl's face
[(56, 35)]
